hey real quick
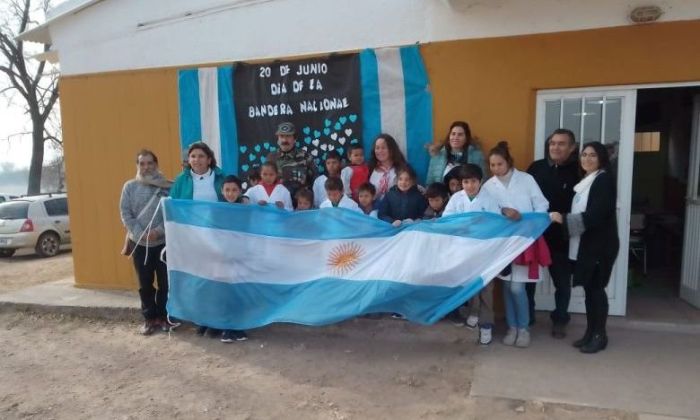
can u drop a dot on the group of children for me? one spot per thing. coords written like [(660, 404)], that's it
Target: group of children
[(406, 202)]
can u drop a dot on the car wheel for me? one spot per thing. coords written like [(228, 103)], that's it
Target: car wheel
[(48, 244), (7, 253)]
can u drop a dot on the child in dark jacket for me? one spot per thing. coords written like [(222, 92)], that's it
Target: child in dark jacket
[(437, 194), (403, 203)]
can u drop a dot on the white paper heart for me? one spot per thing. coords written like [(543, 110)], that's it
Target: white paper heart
[(342, 140), (331, 147), (314, 152), (334, 136), (305, 148), (324, 147), (348, 131), (315, 142)]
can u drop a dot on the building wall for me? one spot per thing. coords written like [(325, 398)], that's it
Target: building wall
[(491, 83), (137, 34)]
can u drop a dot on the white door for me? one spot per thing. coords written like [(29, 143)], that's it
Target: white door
[(690, 273), (601, 115)]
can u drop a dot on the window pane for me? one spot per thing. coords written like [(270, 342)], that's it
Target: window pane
[(592, 120), (57, 207), (552, 112), (572, 116)]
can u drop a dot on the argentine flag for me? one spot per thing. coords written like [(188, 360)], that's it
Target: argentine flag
[(235, 266)]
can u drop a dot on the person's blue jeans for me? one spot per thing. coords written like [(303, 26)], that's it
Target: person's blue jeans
[(517, 307)]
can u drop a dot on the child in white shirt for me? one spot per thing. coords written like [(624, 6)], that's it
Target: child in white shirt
[(270, 190), (336, 196)]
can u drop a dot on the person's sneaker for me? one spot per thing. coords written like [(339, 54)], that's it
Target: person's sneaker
[(213, 333), (485, 336), (149, 327), (239, 335), (227, 336), (511, 336), (397, 316), (559, 331), (523, 339), (472, 321), (201, 330)]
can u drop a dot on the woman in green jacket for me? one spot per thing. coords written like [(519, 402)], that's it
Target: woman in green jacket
[(457, 148)]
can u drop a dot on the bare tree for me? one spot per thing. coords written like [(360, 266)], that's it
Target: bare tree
[(37, 87)]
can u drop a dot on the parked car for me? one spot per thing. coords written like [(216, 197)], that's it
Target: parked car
[(39, 222), (7, 197)]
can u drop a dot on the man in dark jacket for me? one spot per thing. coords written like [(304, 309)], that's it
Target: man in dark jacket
[(556, 176)]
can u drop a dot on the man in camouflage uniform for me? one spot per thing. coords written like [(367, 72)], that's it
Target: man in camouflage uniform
[(295, 166)]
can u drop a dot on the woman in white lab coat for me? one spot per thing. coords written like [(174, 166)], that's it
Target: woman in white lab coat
[(516, 191)]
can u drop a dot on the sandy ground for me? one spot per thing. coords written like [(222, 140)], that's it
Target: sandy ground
[(72, 368), (26, 269)]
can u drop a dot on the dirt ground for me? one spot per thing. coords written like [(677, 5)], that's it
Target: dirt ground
[(26, 269), (57, 367)]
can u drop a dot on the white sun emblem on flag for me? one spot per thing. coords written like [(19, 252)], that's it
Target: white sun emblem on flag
[(344, 257)]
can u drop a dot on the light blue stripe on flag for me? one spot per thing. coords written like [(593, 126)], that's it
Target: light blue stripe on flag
[(419, 109), (250, 305), (190, 118), (371, 108), (338, 223), (227, 121)]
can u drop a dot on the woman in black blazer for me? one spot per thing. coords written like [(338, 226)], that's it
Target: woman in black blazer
[(593, 240)]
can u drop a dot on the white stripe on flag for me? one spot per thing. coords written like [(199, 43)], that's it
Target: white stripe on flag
[(392, 98), (226, 256), (209, 108)]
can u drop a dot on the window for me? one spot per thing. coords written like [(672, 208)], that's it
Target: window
[(647, 141), (57, 207), (14, 210)]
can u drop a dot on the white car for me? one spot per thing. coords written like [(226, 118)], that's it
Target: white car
[(39, 222), (7, 197)]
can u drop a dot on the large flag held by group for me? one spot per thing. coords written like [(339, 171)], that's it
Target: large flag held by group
[(234, 266), (335, 101)]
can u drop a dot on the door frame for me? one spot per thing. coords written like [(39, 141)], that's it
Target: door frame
[(626, 138)]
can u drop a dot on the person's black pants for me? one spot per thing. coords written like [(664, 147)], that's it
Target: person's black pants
[(597, 303), (560, 272), (152, 300)]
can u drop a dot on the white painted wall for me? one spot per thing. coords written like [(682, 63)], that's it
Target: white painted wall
[(107, 37)]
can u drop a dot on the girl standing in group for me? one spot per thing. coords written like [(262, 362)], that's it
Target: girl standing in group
[(270, 190), (385, 160), (593, 243), (516, 192), (457, 148)]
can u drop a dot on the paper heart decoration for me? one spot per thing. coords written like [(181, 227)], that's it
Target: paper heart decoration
[(342, 120), (331, 147), (342, 140), (327, 123), (251, 157), (352, 117), (340, 150), (337, 126), (326, 131), (257, 148), (307, 140), (266, 145), (334, 136), (315, 142), (348, 131), (324, 147), (243, 149), (245, 167), (306, 130), (314, 152)]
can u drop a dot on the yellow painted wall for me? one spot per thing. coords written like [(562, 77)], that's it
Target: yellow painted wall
[(491, 83)]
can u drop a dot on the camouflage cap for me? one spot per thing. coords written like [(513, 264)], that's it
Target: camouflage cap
[(286, 128)]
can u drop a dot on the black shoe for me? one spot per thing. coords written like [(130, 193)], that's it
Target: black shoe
[(213, 333), (559, 331), (597, 343), (583, 340), (240, 335), (201, 330), (227, 336), (396, 315)]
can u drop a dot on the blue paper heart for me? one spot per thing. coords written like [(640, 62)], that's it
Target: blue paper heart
[(307, 140), (257, 148), (306, 130), (327, 122), (297, 144), (263, 159), (340, 151), (245, 167), (352, 117), (353, 141), (266, 145), (323, 156), (243, 149), (342, 120), (326, 131), (317, 160), (251, 157), (337, 126), (317, 133), (273, 148)]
